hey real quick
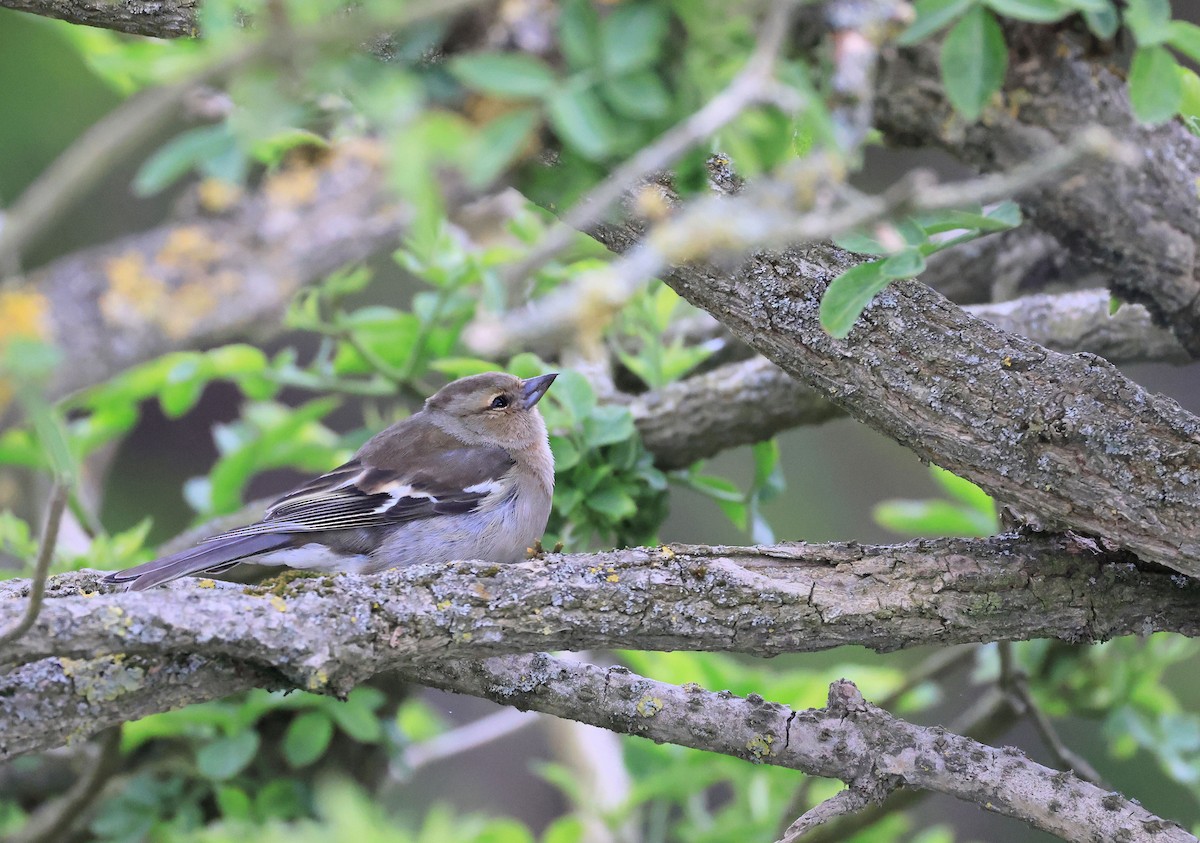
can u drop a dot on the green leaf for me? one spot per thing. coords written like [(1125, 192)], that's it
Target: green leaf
[(233, 803), (1103, 23), (225, 757), (1007, 214), (1149, 20), (179, 155), (607, 425), (932, 15), (1033, 11), (566, 455), (907, 264), (861, 243), (499, 144), (578, 28), (933, 518), (641, 95), (306, 739), (1189, 106), (631, 36), (356, 717), (179, 397), (1155, 90), (273, 148), (1184, 36), (612, 502), (974, 59), (583, 120), (964, 490), (849, 295), (514, 75)]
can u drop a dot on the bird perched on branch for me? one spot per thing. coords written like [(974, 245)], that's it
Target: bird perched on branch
[(470, 476)]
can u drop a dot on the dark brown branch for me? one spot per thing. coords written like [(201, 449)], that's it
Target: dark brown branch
[(156, 18)]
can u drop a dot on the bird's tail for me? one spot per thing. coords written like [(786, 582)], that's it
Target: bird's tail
[(213, 556)]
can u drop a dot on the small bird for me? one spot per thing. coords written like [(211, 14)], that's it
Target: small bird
[(469, 476)]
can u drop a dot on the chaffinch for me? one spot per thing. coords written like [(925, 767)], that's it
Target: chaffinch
[(469, 476)]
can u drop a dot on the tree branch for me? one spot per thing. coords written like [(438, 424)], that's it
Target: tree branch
[(187, 284), (850, 739), (330, 634), (752, 400), (156, 18), (1066, 441), (1135, 220)]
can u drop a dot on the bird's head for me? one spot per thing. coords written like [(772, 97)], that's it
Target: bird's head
[(493, 408)]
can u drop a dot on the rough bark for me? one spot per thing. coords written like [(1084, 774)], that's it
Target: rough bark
[(1066, 440), (850, 740), (1136, 223), (330, 634), (157, 18), (752, 400)]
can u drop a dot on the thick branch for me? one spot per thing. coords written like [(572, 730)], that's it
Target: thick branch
[(850, 740), (752, 400), (1136, 221), (157, 18), (333, 633), (1067, 440)]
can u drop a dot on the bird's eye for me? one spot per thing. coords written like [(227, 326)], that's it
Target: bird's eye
[(499, 402)]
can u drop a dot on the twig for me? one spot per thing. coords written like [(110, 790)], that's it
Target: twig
[(753, 85), (465, 738), (1015, 683), (37, 588), (842, 803), (52, 822)]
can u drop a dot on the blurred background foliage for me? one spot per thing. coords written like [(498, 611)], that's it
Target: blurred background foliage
[(198, 434)]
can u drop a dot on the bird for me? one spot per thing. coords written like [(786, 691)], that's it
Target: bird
[(468, 476)]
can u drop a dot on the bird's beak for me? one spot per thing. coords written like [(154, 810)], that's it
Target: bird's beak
[(533, 389)]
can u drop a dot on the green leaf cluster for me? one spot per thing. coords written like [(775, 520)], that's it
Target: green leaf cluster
[(974, 56)]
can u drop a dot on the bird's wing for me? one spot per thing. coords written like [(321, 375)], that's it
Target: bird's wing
[(427, 474)]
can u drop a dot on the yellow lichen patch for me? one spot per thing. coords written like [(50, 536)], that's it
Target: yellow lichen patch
[(760, 745), (443, 606), (318, 680), (649, 706), (279, 603), (666, 552), (189, 247), (23, 314), (100, 680), (613, 577), (217, 195), (293, 186), (207, 583), (133, 293), (190, 303)]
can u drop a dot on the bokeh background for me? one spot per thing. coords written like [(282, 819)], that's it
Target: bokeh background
[(835, 473)]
